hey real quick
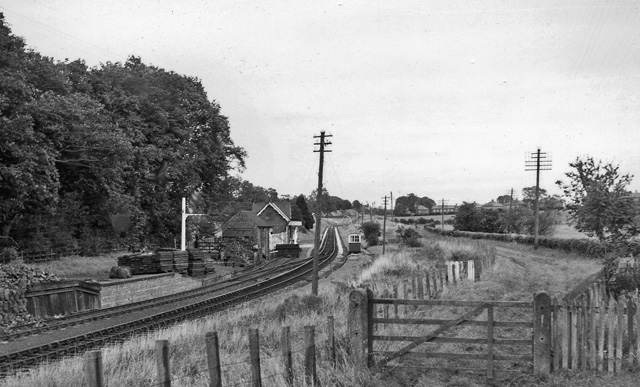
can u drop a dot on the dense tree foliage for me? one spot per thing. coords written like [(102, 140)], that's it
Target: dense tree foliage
[(405, 205), (599, 203), (90, 155), (519, 220), (371, 232), (306, 216)]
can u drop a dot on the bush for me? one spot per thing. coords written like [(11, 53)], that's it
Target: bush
[(371, 231), (409, 237), (620, 277)]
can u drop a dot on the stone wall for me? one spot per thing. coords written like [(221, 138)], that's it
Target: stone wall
[(142, 288)]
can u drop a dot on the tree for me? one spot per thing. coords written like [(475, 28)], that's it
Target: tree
[(504, 199), (307, 217), (598, 200), (529, 194), (467, 218), (371, 232), (356, 205)]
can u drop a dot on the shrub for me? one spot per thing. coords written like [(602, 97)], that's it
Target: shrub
[(620, 277), (371, 231), (409, 237)]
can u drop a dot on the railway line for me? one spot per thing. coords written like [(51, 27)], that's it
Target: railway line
[(83, 331)]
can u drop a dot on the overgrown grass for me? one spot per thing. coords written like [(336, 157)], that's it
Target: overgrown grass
[(76, 267), (515, 277)]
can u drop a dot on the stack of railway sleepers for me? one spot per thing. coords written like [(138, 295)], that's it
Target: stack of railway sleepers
[(165, 258), (147, 263), (209, 264), (196, 263), (180, 261)]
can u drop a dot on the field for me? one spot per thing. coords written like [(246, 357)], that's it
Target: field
[(515, 277)]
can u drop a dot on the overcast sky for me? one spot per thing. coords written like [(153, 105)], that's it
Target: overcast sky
[(438, 98)]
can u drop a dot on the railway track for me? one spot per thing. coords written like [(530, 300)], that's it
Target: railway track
[(100, 327)]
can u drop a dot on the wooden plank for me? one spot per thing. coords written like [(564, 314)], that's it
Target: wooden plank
[(611, 317), (542, 334), (93, 369), (213, 359), (449, 272), (456, 370), (557, 345), (423, 321), (331, 340), (254, 357), (162, 363), (427, 285), (620, 325), (456, 340), (310, 374), (574, 336), (490, 342), (566, 331), (450, 324), (395, 297), (458, 356), (631, 334), (593, 323), (601, 331), (420, 288), (471, 271), (287, 359), (496, 304), (584, 328)]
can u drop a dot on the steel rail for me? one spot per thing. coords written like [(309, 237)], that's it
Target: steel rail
[(13, 362)]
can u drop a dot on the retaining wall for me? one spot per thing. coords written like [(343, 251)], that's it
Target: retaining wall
[(144, 288)]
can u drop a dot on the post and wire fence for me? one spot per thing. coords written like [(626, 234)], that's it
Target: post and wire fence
[(94, 370)]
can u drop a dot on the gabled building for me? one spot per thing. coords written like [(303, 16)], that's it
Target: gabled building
[(278, 217), (248, 227), (422, 210)]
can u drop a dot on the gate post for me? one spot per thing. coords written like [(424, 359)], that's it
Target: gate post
[(541, 334), (358, 319)]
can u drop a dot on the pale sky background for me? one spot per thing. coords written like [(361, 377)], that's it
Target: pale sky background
[(437, 98)]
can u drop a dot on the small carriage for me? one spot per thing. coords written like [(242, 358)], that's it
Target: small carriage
[(355, 246)]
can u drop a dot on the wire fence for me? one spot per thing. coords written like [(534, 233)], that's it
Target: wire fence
[(249, 374)]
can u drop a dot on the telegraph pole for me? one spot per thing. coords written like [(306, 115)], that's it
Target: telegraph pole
[(539, 161), (510, 204), (442, 216), (316, 254), (384, 226)]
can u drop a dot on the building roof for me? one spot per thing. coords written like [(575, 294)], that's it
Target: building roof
[(493, 205), (244, 220), (283, 207)]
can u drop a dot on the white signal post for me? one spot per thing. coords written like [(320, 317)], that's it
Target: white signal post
[(183, 234)]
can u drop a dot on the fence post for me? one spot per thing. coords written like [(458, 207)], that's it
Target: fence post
[(310, 375), (490, 341), (213, 359), (420, 288), (286, 356), (541, 333), (162, 361), (358, 325), (332, 340), (254, 354), (93, 368)]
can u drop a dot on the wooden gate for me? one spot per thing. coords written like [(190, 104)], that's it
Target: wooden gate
[(474, 336)]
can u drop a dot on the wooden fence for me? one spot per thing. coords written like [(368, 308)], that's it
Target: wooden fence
[(432, 282), (36, 256), (369, 324), (594, 331), (62, 298), (93, 367)]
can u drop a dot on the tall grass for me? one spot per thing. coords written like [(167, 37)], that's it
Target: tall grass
[(514, 277)]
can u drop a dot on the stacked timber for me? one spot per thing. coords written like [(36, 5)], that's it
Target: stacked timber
[(209, 265), (180, 261), (147, 263), (196, 263), (165, 261)]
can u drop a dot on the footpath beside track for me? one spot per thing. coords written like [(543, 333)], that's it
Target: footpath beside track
[(79, 333)]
